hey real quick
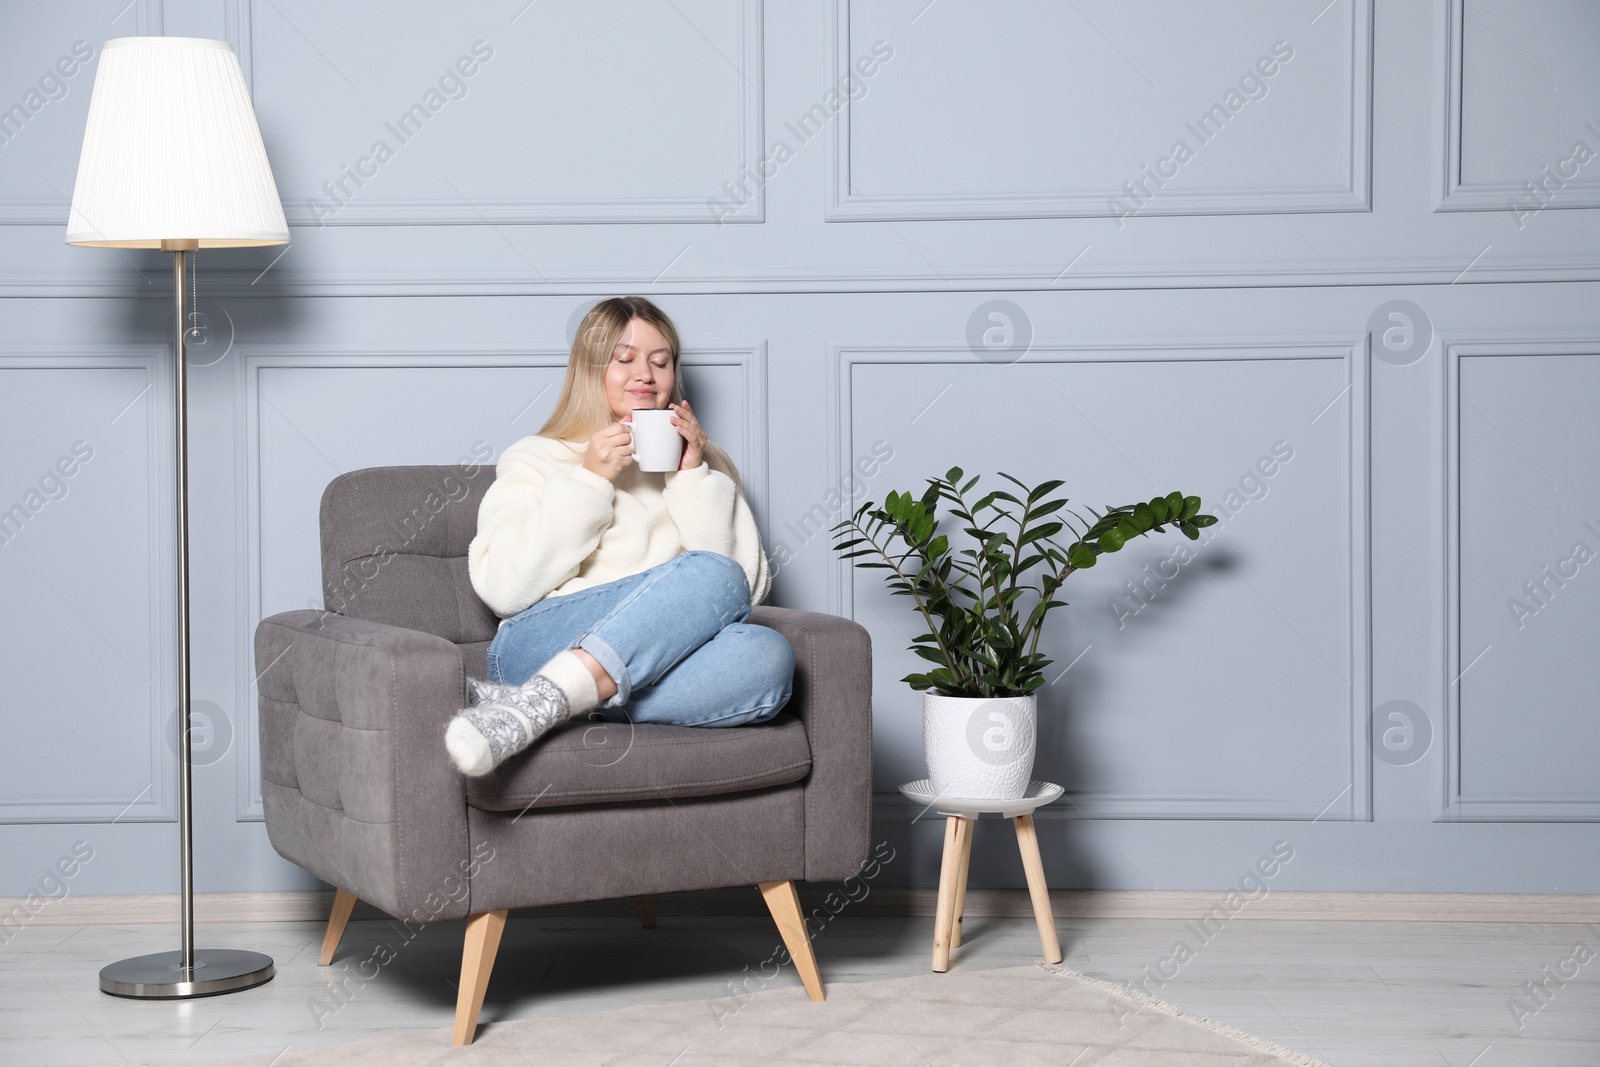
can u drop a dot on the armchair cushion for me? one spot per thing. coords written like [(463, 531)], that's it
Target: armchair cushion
[(604, 762)]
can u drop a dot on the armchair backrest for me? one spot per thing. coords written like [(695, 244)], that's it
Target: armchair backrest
[(394, 548)]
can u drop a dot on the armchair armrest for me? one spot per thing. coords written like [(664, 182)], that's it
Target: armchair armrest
[(357, 786), (833, 696)]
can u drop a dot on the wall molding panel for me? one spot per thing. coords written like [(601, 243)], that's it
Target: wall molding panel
[(746, 153), (1354, 803), (158, 801), (1455, 194), (1458, 804), (1353, 192), (224, 283)]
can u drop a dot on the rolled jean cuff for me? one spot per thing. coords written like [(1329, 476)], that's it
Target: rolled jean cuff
[(607, 657)]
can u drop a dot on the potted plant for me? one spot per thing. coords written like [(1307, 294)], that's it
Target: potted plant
[(979, 706)]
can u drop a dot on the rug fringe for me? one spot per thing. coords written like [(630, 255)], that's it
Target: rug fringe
[(1300, 1059)]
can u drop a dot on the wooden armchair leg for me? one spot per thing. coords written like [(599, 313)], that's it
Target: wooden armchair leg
[(784, 903), (645, 908), (477, 960), (344, 903)]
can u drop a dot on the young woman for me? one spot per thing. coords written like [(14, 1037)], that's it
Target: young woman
[(618, 589)]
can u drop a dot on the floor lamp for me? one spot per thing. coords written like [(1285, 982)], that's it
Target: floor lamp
[(172, 159)]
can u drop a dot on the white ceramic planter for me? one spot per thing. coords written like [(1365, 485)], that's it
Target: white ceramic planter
[(979, 747)]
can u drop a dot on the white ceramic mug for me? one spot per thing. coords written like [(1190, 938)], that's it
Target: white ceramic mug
[(657, 444)]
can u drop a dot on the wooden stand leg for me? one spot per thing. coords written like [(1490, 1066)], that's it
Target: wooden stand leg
[(1028, 844), (344, 903), (961, 890), (956, 832), (784, 903), (645, 908), (477, 960)]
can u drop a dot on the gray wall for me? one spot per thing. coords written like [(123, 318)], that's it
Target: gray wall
[(1382, 507)]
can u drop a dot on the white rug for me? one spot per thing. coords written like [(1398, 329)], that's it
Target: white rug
[(1014, 1017)]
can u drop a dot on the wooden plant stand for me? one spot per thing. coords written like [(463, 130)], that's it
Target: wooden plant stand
[(960, 815)]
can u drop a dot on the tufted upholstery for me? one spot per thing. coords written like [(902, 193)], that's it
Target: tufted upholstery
[(358, 789), (394, 549)]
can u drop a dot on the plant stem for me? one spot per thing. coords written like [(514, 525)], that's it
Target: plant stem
[(983, 554), (950, 661)]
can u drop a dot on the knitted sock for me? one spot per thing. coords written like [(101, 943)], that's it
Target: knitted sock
[(506, 719)]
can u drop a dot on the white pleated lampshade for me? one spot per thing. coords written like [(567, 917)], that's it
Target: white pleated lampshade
[(172, 151)]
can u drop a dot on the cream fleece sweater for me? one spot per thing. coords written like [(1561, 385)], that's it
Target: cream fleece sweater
[(550, 526)]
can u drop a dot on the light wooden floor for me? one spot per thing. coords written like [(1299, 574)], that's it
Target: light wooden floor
[(1405, 994)]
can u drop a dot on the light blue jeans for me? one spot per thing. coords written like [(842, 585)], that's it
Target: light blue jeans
[(673, 637)]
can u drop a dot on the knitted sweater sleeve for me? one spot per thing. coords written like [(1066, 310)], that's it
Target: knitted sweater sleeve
[(537, 524), (712, 515)]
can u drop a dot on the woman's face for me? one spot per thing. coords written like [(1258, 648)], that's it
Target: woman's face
[(640, 372)]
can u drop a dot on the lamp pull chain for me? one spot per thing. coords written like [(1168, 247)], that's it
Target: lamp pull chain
[(194, 293)]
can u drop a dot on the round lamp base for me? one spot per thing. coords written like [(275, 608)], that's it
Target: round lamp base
[(161, 975)]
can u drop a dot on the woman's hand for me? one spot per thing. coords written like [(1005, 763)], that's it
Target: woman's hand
[(694, 437), (610, 450)]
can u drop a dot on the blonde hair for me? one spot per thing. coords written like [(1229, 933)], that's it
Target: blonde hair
[(582, 408)]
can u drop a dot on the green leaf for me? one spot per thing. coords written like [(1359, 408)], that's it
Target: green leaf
[(1081, 556), (1111, 540), (938, 546), (1158, 508), (1045, 488), (1175, 504), (1014, 480), (953, 474), (1110, 521), (1049, 529), (1203, 521), (1189, 530), (1143, 517), (1030, 561), (1191, 506)]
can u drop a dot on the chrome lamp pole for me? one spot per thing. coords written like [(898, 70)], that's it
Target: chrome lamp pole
[(173, 159)]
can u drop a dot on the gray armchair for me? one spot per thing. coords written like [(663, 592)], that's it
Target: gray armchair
[(358, 789)]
